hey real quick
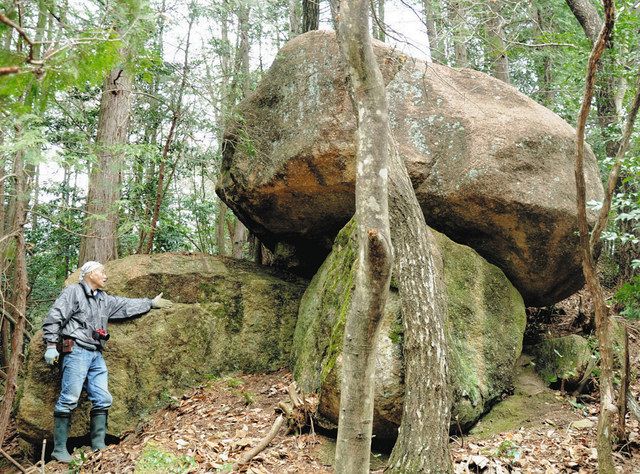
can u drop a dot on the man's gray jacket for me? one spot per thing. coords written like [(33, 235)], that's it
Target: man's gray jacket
[(79, 311)]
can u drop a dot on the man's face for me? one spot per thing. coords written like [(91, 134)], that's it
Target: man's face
[(96, 279)]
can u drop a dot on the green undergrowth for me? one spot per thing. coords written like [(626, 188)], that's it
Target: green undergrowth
[(156, 459)]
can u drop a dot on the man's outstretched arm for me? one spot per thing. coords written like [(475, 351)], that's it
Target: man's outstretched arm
[(124, 308)]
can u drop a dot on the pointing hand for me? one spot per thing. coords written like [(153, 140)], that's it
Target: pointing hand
[(159, 302)]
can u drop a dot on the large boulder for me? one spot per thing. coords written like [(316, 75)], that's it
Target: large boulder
[(492, 169), (563, 359), (485, 326), (228, 315)]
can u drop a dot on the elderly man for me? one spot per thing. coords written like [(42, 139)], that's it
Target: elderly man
[(76, 326)]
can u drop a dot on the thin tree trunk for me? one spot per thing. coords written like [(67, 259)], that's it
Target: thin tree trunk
[(239, 238), (429, 21), (220, 227), (457, 20), (603, 323), (294, 18), (239, 234), (547, 94), (101, 226), (423, 440), (374, 250), (310, 15), (591, 22), (160, 183), (2, 186), (377, 9), (19, 301), (624, 387), (495, 39), (36, 196), (226, 99), (160, 187)]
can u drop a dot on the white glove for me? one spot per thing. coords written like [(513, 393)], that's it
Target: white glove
[(158, 302), (51, 355)]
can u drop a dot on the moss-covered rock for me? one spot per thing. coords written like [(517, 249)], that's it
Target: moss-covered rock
[(563, 359), (485, 325), (228, 315)]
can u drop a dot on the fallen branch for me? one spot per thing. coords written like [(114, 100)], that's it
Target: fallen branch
[(13, 461), (249, 455), (296, 413)]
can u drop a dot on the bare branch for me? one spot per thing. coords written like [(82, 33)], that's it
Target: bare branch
[(7, 21), (6, 70), (544, 45)]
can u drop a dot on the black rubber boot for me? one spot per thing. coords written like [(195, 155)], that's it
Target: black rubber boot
[(98, 429), (61, 423)]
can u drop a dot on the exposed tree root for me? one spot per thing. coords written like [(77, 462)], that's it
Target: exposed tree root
[(297, 414)]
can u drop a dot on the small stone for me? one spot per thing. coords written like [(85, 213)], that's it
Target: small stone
[(582, 424)]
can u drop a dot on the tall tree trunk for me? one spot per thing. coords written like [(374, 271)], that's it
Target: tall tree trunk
[(591, 22), (294, 18), (36, 196), (457, 20), (177, 111), (423, 440), (239, 238), (603, 323), (547, 94), (241, 89), (495, 40), (100, 241), (310, 15), (220, 227), (3, 199), (427, 11), (377, 10), (374, 244), (18, 297)]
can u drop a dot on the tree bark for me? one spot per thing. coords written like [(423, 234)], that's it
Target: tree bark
[(2, 187), (495, 37), (310, 15), (377, 11), (374, 243), (456, 19), (603, 323), (591, 22), (547, 95), (588, 17), (239, 238), (100, 241), (18, 297), (220, 228), (429, 21), (294, 18), (423, 439)]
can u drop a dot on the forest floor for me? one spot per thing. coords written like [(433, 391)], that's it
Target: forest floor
[(534, 430), (208, 429)]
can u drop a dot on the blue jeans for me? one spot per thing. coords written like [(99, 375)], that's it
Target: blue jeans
[(82, 368)]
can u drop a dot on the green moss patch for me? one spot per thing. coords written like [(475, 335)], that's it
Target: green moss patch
[(485, 325)]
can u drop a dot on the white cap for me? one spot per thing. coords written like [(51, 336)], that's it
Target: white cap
[(88, 268)]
